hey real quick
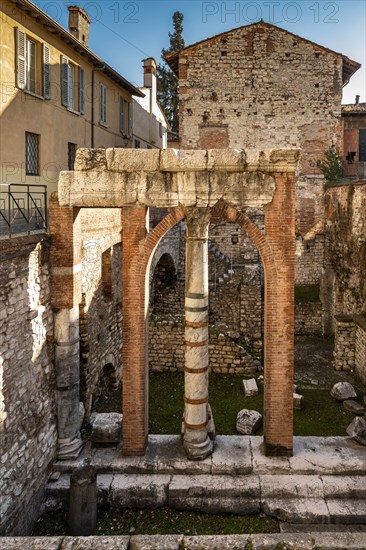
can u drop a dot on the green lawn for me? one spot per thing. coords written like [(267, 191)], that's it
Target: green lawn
[(162, 521), (321, 416)]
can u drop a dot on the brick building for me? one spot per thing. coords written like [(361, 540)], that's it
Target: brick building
[(354, 139)]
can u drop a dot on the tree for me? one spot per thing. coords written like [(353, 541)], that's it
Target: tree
[(168, 86), (331, 165)]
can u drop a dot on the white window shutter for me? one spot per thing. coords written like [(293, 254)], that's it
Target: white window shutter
[(46, 58), (21, 58), (81, 91), (64, 81)]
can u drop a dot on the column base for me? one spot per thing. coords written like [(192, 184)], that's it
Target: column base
[(69, 449), (197, 444)]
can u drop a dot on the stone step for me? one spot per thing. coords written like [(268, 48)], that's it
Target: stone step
[(301, 500), (233, 454), (301, 541)]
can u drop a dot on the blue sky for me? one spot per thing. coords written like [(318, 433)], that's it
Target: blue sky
[(123, 32)]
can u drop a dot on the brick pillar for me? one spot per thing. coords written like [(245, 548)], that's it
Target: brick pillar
[(134, 331), (279, 320), (65, 258)]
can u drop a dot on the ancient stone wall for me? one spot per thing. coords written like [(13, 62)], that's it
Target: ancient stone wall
[(309, 261), (360, 347), (309, 319), (166, 349), (344, 343), (346, 230), (100, 325), (27, 402), (236, 84)]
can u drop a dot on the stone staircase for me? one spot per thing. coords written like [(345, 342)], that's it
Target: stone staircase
[(323, 483), (227, 275)]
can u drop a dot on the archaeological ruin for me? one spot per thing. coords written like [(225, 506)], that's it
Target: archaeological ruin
[(205, 260)]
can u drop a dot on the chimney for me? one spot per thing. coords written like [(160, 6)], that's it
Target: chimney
[(357, 101), (79, 24), (149, 73)]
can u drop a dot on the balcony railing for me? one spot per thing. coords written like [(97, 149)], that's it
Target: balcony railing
[(23, 209), (356, 169)]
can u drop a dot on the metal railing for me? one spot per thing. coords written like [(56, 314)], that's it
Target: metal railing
[(23, 209)]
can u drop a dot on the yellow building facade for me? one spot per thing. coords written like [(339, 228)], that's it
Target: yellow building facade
[(56, 95)]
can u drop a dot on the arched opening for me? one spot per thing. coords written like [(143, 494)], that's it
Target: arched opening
[(164, 291)]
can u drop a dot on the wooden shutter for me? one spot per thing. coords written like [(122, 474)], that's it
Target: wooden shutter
[(122, 119), (21, 58), (362, 145), (103, 103), (46, 58), (81, 91), (130, 115), (64, 81)]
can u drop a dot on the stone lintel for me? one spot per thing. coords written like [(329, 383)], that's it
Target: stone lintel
[(170, 178)]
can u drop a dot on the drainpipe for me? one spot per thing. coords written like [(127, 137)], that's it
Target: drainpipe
[(92, 103)]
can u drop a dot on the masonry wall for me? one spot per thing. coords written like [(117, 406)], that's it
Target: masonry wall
[(27, 407), (360, 347), (346, 230), (101, 305), (259, 87), (166, 349)]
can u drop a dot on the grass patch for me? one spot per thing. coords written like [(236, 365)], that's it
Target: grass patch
[(321, 415), (162, 521), (306, 294)]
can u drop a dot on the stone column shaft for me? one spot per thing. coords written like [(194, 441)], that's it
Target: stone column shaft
[(197, 421), (67, 362)]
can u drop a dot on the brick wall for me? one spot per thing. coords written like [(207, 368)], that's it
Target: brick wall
[(27, 406)]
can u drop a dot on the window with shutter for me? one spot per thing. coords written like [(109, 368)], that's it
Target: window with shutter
[(46, 72), (103, 104), (362, 145), (64, 81), (122, 123), (31, 66), (81, 91), (130, 114), (21, 59), (70, 85)]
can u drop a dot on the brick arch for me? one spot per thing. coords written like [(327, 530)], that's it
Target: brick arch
[(254, 233), (138, 251)]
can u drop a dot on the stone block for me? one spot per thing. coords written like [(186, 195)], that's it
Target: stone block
[(232, 455), (179, 160), (354, 407), (298, 401), (106, 427), (296, 510), (132, 160), (357, 430), (90, 159), (248, 422), (229, 160), (95, 543), (142, 491), (344, 487), (346, 511), (250, 387), (215, 494), (156, 542), (342, 391)]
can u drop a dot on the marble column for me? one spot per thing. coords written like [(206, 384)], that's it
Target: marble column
[(198, 428), (67, 362)]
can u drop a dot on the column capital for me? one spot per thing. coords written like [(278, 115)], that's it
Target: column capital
[(197, 221)]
